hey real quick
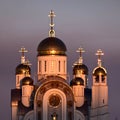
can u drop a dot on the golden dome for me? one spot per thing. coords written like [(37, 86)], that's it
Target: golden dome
[(23, 69), (99, 71), (51, 46), (27, 81), (80, 67), (77, 81)]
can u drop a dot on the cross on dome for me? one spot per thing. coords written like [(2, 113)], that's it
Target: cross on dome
[(99, 53), (80, 51), (23, 50), (51, 32)]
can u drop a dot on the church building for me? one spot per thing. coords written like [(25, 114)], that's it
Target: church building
[(54, 96)]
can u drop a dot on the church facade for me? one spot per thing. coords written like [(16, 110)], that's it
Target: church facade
[(53, 97)]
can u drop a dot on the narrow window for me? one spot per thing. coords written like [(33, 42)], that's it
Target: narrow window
[(59, 66), (97, 79), (23, 91), (103, 78), (103, 101), (39, 66), (45, 66), (64, 66)]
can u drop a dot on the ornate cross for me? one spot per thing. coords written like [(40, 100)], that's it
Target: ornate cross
[(51, 32), (99, 54), (23, 50), (80, 50)]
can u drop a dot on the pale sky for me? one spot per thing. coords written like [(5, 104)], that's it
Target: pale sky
[(92, 24)]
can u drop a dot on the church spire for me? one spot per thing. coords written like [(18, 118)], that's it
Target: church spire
[(23, 50), (51, 31), (99, 54), (80, 51)]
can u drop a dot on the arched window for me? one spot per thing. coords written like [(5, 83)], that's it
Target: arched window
[(54, 116), (97, 79), (103, 78)]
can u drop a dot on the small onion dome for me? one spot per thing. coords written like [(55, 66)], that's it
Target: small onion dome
[(27, 81), (51, 46), (80, 67), (99, 71), (77, 81), (23, 69)]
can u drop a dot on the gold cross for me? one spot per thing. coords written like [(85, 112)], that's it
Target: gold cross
[(51, 15), (80, 50), (51, 32), (23, 50), (99, 53)]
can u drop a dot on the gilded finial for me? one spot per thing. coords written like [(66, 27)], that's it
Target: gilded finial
[(23, 50), (99, 54), (51, 32)]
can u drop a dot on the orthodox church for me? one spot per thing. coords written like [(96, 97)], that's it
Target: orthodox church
[(53, 96)]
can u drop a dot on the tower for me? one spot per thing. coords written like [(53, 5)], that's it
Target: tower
[(79, 82), (18, 95), (52, 59), (82, 93), (22, 69), (99, 109)]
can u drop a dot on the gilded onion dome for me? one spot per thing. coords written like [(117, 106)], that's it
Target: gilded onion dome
[(99, 71), (51, 46), (80, 68), (23, 69), (27, 81), (77, 81)]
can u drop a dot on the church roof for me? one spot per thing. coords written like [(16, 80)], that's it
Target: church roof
[(77, 81), (27, 81), (23, 69), (51, 45), (80, 67), (99, 70)]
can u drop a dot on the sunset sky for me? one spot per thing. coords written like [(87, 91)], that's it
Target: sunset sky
[(92, 24)]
